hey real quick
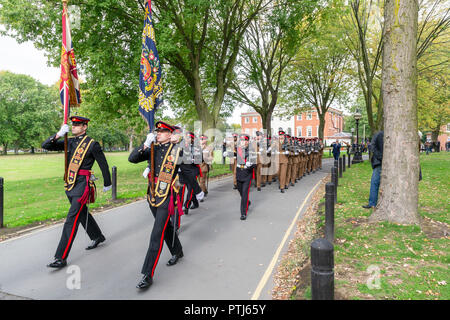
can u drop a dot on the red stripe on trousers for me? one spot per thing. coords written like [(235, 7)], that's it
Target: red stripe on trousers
[(160, 245), (71, 234)]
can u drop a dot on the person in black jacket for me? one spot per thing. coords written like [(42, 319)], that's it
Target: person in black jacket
[(246, 163), (376, 147), (79, 188), (167, 155)]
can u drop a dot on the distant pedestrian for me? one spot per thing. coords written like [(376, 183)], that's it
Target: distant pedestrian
[(376, 160), (336, 149)]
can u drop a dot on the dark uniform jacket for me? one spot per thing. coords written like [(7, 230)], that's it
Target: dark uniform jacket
[(376, 147), (243, 156), (95, 153)]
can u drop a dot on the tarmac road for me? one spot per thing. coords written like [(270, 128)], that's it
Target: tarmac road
[(224, 258)]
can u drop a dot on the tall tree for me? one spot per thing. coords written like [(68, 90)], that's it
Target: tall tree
[(318, 77), (398, 201), (28, 111), (201, 39), (269, 46)]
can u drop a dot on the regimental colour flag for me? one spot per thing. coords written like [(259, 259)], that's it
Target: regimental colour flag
[(150, 88), (69, 88)]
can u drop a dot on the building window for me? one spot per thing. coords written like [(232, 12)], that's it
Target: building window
[(299, 117), (254, 132), (317, 131), (247, 119), (255, 119), (309, 131), (299, 131), (309, 116)]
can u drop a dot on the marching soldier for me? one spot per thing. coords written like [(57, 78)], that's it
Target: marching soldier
[(207, 158), (162, 199), (80, 188), (320, 153), (233, 159), (190, 170), (283, 160), (259, 159), (246, 163)]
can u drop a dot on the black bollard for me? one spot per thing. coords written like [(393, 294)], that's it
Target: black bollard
[(349, 156), (322, 273), (329, 211), (336, 164), (334, 181), (1, 202), (340, 167), (343, 163), (114, 182)]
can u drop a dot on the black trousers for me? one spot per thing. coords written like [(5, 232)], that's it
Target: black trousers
[(243, 187), (77, 214), (162, 231), (193, 188)]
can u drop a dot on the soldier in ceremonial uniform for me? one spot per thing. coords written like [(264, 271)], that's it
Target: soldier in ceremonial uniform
[(190, 170), (320, 153), (258, 147), (205, 166), (283, 161), (80, 189), (246, 163), (164, 201)]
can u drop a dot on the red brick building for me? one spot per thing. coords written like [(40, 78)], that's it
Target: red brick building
[(305, 124)]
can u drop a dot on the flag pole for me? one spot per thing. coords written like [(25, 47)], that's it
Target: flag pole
[(66, 115)]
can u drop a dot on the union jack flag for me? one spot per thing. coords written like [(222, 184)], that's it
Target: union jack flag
[(69, 88), (150, 88)]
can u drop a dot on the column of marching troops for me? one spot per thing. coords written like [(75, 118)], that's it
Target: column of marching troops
[(178, 174)]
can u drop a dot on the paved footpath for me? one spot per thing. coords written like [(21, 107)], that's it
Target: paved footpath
[(224, 257)]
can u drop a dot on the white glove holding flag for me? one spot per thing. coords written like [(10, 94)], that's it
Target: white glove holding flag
[(146, 172), (64, 129), (151, 137)]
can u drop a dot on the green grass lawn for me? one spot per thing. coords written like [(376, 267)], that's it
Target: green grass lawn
[(34, 187), (412, 261)]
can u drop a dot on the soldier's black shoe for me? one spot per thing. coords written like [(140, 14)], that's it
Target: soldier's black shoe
[(58, 264), (263, 185), (292, 184), (243, 217), (269, 183), (367, 206), (206, 193), (96, 242), (145, 282), (259, 188), (174, 259), (193, 206), (234, 187), (282, 190)]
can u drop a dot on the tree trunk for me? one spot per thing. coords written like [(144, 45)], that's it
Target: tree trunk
[(398, 202), (321, 125), (130, 145)]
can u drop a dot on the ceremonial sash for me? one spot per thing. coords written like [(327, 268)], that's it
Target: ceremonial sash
[(164, 182), (75, 162)]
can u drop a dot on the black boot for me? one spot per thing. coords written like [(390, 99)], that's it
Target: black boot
[(57, 264), (145, 282), (96, 242), (174, 259)]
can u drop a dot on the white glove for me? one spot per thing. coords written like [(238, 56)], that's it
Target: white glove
[(248, 164), (200, 195), (225, 153), (146, 172), (107, 188), (150, 138), (286, 152), (64, 129)]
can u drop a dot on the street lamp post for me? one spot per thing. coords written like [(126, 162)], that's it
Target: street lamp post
[(358, 156)]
